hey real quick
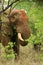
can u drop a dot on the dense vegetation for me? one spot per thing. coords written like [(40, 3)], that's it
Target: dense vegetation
[(34, 12)]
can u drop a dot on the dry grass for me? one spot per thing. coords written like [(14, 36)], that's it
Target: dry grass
[(28, 56)]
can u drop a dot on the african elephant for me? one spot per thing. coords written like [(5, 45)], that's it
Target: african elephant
[(16, 29)]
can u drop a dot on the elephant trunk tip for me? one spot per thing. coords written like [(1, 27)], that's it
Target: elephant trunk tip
[(24, 43)]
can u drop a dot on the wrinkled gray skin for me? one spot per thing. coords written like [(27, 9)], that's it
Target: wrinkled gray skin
[(18, 23)]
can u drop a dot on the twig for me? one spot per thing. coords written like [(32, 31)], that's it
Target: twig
[(8, 6), (2, 4)]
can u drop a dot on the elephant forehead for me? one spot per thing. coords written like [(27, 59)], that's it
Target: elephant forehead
[(20, 13), (14, 12)]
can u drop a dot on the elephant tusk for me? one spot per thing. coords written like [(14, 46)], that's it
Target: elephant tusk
[(20, 37)]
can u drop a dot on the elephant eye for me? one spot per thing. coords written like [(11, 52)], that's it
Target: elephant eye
[(16, 14), (12, 16)]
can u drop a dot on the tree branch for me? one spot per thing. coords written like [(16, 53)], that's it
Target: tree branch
[(8, 6)]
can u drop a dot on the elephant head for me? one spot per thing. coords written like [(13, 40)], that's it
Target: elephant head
[(19, 19)]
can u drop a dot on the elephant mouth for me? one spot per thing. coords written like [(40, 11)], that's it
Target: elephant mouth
[(21, 40)]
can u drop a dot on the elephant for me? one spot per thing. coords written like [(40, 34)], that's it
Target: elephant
[(15, 29)]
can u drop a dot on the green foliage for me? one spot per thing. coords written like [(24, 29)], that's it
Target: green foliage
[(40, 56), (9, 51)]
